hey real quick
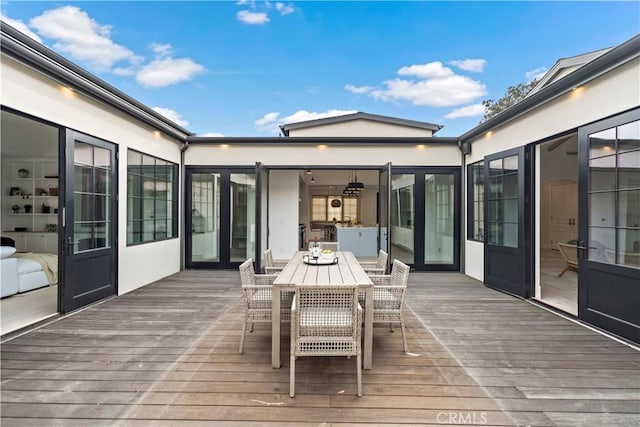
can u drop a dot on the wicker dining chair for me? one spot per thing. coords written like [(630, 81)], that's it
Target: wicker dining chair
[(272, 266), (378, 266), (388, 297), (326, 321), (257, 294)]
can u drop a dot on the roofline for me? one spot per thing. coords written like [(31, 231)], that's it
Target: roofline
[(358, 115), (29, 52), (604, 63), (297, 140)]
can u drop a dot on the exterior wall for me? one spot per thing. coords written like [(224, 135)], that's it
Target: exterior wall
[(32, 93), (283, 213), (612, 93), (361, 127), (333, 155)]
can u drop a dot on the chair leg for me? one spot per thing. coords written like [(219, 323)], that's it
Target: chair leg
[(292, 377), (244, 332), (404, 337), (251, 327), (563, 271), (390, 327)]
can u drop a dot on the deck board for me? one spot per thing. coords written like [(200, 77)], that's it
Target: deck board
[(166, 355)]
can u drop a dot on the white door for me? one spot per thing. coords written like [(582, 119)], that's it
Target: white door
[(564, 212)]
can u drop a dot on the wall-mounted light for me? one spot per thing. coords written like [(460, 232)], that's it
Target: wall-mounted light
[(224, 146), (322, 147), (421, 146)]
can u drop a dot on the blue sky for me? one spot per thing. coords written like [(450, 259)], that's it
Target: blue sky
[(241, 68)]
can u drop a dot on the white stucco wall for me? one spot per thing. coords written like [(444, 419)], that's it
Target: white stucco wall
[(32, 93), (283, 213), (361, 127), (333, 155), (610, 94)]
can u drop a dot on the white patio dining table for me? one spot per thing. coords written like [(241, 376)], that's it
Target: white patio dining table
[(346, 271)]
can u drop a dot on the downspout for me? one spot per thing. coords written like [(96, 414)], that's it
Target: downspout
[(184, 211), (463, 206)]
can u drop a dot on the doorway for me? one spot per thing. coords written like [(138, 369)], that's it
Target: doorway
[(29, 220), (222, 221), (557, 175)]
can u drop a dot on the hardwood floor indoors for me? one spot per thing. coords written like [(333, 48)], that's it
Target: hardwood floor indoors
[(20, 310), (558, 292)]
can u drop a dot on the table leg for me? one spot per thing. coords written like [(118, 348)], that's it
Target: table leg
[(275, 327), (367, 354)]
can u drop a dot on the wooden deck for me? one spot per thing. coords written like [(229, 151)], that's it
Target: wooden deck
[(167, 355)]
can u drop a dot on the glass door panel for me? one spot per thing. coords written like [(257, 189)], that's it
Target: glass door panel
[(205, 217), (243, 216), (402, 217), (439, 219)]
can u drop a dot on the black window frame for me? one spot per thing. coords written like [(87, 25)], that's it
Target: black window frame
[(137, 178), (471, 201)]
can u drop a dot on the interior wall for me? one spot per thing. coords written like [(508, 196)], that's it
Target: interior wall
[(283, 212)]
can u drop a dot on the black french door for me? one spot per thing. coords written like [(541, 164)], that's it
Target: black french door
[(89, 220), (221, 217), (507, 246), (609, 226), (424, 217)]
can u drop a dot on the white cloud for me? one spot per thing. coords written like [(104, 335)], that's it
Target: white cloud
[(167, 71), (359, 89), (475, 65), (442, 92), (20, 26), (213, 134), (468, 111), (535, 74), (171, 115), (268, 119), (78, 35), (432, 70), (252, 18), (161, 50), (284, 9), (269, 123)]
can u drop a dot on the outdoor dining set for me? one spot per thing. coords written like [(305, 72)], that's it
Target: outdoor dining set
[(331, 300)]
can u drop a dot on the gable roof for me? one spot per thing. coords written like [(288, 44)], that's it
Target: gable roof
[(610, 60), (359, 116), (565, 66)]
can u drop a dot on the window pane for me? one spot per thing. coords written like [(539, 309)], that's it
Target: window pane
[(148, 165), (134, 162), (101, 177), (602, 143), (475, 201), (510, 186), (602, 243), (495, 167), (629, 170), (101, 158), (83, 179), (602, 173), (602, 209), (318, 208), (629, 208), (629, 137), (629, 247), (83, 154), (510, 234), (439, 211), (511, 164)]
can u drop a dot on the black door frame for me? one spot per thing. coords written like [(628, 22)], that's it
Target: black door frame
[(598, 304), (225, 215), (69, 300), (419, 173), (516, 272)]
